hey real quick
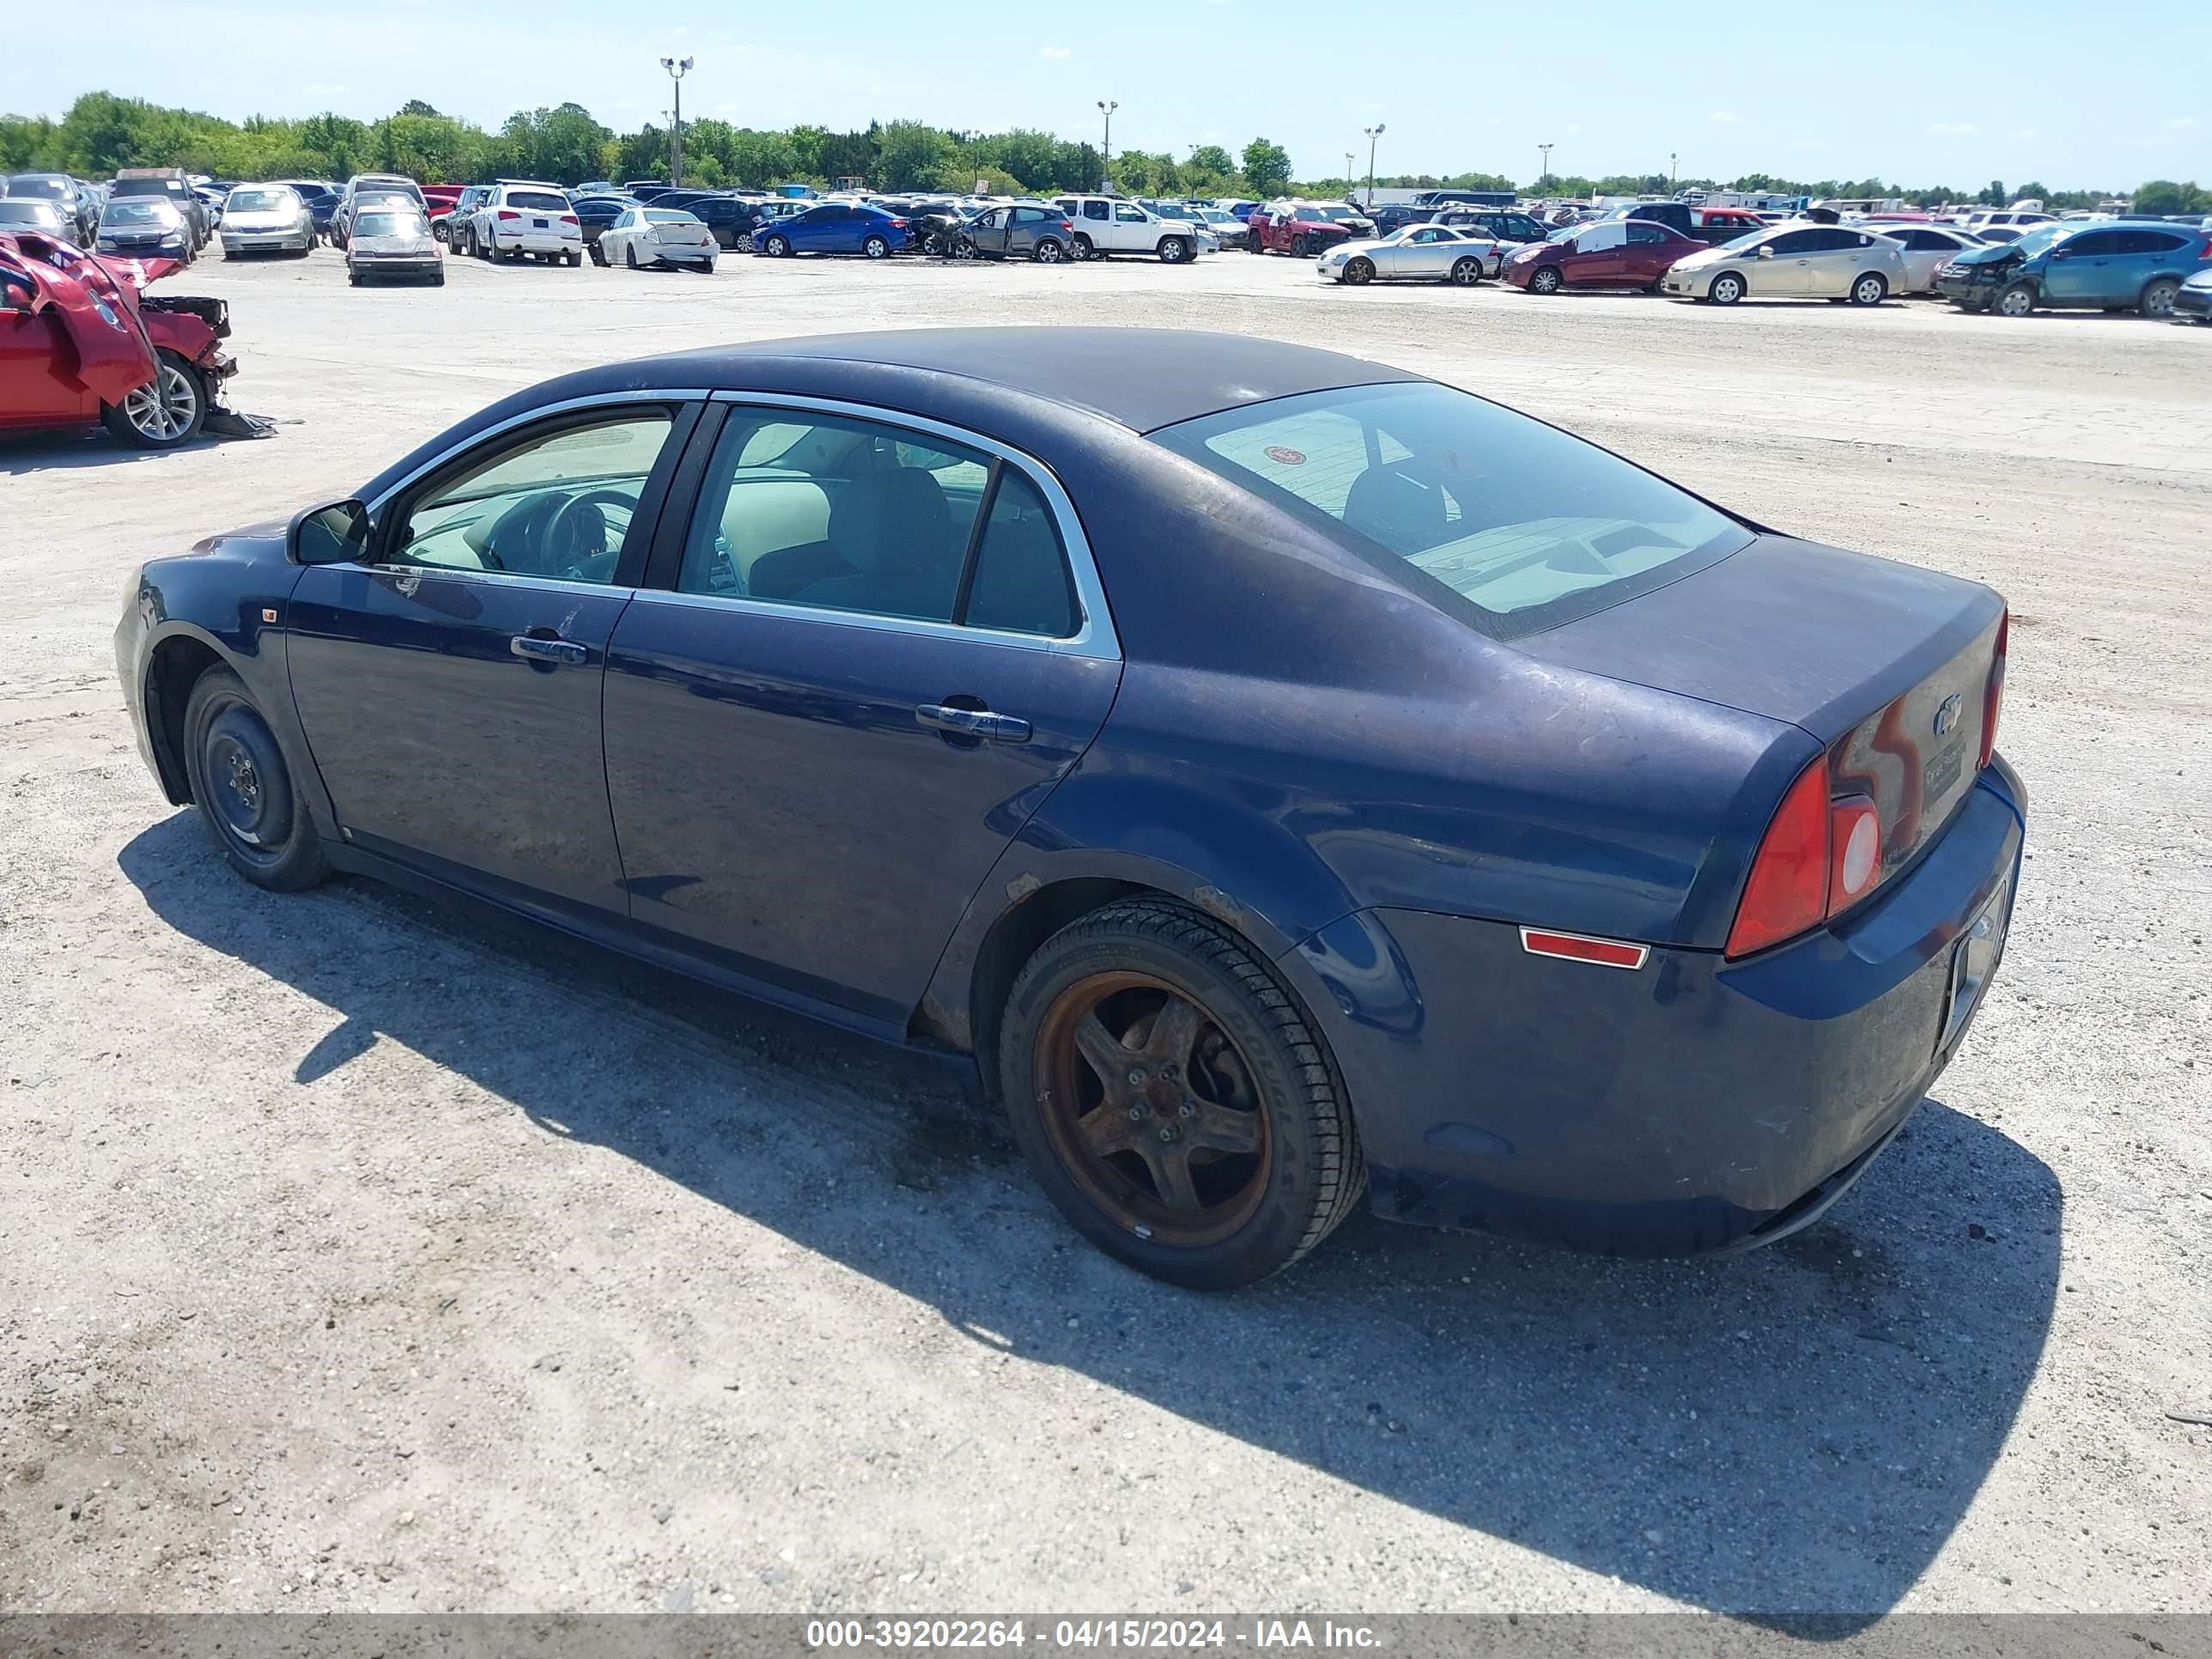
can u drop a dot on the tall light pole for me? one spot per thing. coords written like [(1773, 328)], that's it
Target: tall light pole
[(1106, 108), (675, 68), (1373, 133), (1348, 158), (1545, 151), (1673, 167)]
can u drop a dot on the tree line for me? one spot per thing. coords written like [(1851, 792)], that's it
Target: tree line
[(566, 142)]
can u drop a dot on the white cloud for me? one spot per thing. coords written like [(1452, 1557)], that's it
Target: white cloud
[(2025, 132), (322, 89), (1575, 128), (2181, 124), (1951, 129), (1055, 52), (1727, 117)]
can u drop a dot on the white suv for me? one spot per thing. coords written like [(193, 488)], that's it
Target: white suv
[(523, 216), (1112, 224)]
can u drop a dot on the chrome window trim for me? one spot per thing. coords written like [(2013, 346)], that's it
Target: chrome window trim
[(529, 416), (1095, 637)]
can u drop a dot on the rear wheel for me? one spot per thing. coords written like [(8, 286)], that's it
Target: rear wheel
[(1869, 289), (1546, 279), (876, 247), (243, 789), (1047, 253), (1467, 272), (630, 255), (2158, 297), (571, 258), (1173, 1101), (164, 413), (1727, 288)]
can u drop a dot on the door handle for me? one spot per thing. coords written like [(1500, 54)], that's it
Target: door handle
[(973, 723), (535, 649)]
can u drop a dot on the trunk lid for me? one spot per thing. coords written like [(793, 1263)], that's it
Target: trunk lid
[(1886, 665)]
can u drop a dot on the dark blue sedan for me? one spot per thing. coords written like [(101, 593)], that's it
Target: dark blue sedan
[(1288, 777), (874, 233)]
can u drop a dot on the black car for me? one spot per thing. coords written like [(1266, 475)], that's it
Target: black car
[(172, 187), (595, 213), (731, 218), (146, 226), (321, 197)]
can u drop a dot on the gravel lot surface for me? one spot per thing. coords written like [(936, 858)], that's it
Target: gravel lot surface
[(358, 1254)]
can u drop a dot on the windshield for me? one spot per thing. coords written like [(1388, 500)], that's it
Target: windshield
[(2043, 236), (260, 201), (24, 185), (1500, 520), (21, 212), (391, 224), (1335, 215), (1748, 240), (140, 210)]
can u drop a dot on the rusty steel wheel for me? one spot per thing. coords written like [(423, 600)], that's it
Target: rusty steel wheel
[(1172, 1098), (1151, 1108)]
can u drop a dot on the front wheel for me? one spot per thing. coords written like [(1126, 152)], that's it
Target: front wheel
[(1871, 289), (167, 411), (1082, 249), (2158, 297), (1467, 272), (1172, 1100), (1301, 247), (776, 247), (876, 247), (1727, 288), (1544, 280), (243, 789), (2017, 300)]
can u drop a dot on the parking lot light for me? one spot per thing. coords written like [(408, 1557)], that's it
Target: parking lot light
[(675, 68), (1373, 133), (1107, 106)]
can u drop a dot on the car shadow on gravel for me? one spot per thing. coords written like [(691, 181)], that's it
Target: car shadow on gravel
[(1795, 1431)]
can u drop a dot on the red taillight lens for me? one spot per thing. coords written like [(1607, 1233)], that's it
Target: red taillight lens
[(1068, 225), (898, 224), (567, 218), (1855, 840), (1788, 891), (1993, 697), (507, 213)]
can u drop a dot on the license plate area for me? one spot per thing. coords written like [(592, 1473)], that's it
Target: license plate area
[(538, 224), (1974, 961)]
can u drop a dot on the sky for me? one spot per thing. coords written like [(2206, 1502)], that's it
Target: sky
[(1911, 93)]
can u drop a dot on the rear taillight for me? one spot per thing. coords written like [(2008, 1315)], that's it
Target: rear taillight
[(508, 213), (1788, 889), (1068, 225), (1855, 848), (1993, 694), (898, 224), (567, 218)]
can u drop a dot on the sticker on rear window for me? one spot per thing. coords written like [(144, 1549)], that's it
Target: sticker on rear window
[(1283, 456)]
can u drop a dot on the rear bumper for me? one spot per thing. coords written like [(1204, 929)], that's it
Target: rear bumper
[(1689, 1107), (507, 240), (681, 254)]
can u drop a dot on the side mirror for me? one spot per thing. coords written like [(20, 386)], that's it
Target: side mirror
[(2061, 252), (336, 534), (1767, 251)]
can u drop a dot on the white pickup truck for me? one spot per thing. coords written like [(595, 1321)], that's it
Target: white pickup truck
[(1113, 224)]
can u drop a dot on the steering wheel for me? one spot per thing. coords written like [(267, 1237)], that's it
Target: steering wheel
[(576, 535)]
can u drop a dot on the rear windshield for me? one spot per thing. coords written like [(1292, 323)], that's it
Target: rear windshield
[(1505, 522), (24, 184), (537, 201), (670, 217)]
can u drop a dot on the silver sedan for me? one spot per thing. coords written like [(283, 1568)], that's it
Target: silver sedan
[(1416, 253), (266, 219)]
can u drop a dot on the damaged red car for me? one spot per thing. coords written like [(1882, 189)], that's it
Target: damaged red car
[(79, 342)]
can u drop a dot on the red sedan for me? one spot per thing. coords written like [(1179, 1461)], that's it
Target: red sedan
[(1611, 253), (78, 344)]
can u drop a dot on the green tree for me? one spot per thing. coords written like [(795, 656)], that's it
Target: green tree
[(1267, 168), (2165, 195), (1993, 194), (909, 154)]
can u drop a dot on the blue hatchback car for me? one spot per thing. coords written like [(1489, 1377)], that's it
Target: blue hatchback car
[(835, 227), (1288, 777), (2112, 267)]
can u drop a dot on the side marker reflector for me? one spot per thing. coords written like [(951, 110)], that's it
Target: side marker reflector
[(1581, 947)]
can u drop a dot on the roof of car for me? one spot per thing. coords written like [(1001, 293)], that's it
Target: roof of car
[(1142, 378)]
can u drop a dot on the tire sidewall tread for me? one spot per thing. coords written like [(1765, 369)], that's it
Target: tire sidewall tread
[(301, 864), (1318, 1174)]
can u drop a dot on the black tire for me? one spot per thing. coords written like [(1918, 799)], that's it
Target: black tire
[(2018, 300), (1250, 1062), (572, 259), (1082, 249), (1870, 289), (1546, 279), (1301, 247), (630, 255), (777, 247), (1357, 273), (166, 413), (1467, 272), (242, 787), (876, 247), (1174, 251), (2158, 296), (1048, 252), (1727, 288), (353, 277), (438, 277)]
